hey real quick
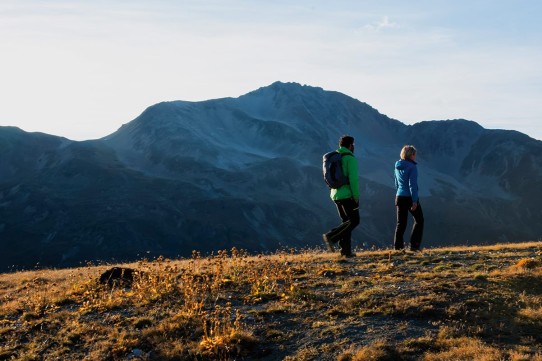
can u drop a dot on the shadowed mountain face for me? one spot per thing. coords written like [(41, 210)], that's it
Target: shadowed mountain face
[(246, 172)]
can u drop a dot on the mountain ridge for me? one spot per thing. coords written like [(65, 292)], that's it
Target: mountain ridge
[(245, 172)]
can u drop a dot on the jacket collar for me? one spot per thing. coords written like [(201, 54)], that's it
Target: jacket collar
[(343, 150)]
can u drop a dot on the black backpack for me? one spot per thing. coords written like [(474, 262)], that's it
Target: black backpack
[(333, 170)]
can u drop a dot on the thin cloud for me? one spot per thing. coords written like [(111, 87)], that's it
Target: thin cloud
[(381, 25)]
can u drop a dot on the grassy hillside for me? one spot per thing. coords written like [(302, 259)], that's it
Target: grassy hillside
[(462, 303)]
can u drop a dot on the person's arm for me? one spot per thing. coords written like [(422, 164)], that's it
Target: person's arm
[(413, 184), (353, 176)]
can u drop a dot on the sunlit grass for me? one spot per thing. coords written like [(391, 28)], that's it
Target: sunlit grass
[(455, 303)]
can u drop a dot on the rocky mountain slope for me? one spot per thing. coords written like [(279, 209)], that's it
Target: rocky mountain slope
[(246, 172)]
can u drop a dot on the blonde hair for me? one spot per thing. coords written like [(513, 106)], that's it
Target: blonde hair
[(407, 151)]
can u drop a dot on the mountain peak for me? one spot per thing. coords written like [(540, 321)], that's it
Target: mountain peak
[(288, 89), (246, 172)]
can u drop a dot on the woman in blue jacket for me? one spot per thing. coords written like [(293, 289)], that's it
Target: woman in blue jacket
[(406, 199)]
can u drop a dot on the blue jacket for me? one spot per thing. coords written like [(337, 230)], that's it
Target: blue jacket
[(406, 179)]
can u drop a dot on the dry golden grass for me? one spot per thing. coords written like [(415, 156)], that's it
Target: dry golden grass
[(454, 303)]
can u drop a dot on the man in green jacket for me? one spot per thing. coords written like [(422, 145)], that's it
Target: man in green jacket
[(346, 199)]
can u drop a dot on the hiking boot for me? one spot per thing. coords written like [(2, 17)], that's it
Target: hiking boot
[(348, 255), (328, 243)]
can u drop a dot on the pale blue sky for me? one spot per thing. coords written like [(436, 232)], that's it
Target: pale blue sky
[(81, 69)]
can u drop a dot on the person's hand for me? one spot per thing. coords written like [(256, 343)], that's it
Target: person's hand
[(414, 206)]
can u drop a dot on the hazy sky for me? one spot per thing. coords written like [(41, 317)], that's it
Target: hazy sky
[(80, 69)]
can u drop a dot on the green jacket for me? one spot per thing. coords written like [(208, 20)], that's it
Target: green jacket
[(350, 169)]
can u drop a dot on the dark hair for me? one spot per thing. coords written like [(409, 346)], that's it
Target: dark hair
[(346, 141)]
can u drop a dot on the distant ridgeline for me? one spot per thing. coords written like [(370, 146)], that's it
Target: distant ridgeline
[(246, 172)]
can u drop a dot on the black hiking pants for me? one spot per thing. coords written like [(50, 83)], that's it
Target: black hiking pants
[(403, 205), (349, 212)]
